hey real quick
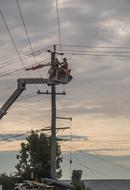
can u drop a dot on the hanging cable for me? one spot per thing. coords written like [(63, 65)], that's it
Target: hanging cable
[(96, 55), (20, 69), (3, 64), (86, 167), (10, 73), (58, 24), (95, 51), (28, 39), (27, 35), (102, 159), (11, 37), (70, 149), (19, 135), (98, 47)]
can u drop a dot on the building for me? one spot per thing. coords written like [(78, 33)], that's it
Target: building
[(106, 184)]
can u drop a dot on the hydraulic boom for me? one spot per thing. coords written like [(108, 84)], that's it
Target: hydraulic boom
[(21, 86)]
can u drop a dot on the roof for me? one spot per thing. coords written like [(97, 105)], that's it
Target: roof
[(110, 184)]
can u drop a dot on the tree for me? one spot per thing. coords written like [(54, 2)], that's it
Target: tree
[(6, 181), (35, 156)]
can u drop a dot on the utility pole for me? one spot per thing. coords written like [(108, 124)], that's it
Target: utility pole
[(53, 121), (53, 128)]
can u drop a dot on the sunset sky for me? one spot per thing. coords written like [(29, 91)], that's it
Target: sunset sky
[(97, 99)]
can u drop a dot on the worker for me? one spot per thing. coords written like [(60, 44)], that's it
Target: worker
[(54, 68), (64, 64), (56, 64), (64, 67)]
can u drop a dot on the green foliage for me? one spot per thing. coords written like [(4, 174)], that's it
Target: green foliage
[(79, 185), (35, 156), (7, 182)]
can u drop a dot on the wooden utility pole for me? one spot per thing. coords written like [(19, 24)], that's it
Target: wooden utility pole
[(53, 121)]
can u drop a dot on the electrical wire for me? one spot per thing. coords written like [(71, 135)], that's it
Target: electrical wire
[(102, 159), (12, 39), (86, 167), (95, 51), (27, 35), (6, 63), (66, 111), (58, 24), (1, 13), (97, 55), (10, 73), (14, 136), (70, 152), (81, 163), (19, 70), (25, 29), (98, 47), (110, 162), (19, 135)]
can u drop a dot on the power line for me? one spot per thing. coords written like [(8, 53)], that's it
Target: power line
[(14, 136), (62, 105), (6, 63), (10, 73), (102, 159), (25, 29), (95, 51), (19, 135), (19, 70), (81, 163), (98, 47), (58, 23), (86, 167), (110, 162), (96, 55), (11, 37)]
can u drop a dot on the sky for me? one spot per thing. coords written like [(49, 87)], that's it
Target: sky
[(97, 98)]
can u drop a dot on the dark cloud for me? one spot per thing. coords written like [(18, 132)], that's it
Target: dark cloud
[(73, 138), (12, 137)]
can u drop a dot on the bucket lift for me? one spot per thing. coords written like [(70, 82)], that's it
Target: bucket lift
[(59, 74), (54, 79), (59, 78)]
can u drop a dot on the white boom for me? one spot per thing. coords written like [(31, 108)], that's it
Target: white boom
[(20, 88)]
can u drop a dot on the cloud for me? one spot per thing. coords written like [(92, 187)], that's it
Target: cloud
[(100, 85), (12, 137), (73, 138)]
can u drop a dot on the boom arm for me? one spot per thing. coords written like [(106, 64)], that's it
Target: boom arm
[(21, 87), (9, 102)]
